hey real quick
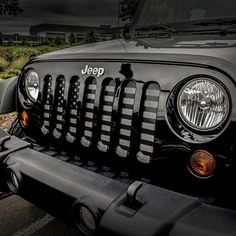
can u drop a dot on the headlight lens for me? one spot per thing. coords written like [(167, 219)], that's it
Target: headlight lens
[(203, 104), (32, 85)]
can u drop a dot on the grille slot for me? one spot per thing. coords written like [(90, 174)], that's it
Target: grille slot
[(73, 105), (89, 102), (126, 106), (149, 108), (59, 106), (47, 105), (107, 100)]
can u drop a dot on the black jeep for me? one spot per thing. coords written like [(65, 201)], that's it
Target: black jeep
[(134, 136)]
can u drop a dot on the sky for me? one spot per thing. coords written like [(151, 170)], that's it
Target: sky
[(69, 12)]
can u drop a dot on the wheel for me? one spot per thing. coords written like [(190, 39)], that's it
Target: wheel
[(16, 129)]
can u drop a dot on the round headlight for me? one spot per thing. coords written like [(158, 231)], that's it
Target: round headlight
[(203, 104), (32, 85)]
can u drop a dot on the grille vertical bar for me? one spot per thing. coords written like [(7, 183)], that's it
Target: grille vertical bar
[(59, 106), (47, 105), (107, 100), (72, 109), (149, 110), (126, 106), (89, 102)]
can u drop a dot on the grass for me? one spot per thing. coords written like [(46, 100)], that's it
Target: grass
[(3, 64), (13, 58)]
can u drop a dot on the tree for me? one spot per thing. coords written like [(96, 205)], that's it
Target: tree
[(115, 35), (90, 37), (72, 39), (58, 41), (128, 9), (10, 7)]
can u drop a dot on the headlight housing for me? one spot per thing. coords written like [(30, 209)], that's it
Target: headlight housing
[(203, 104), (32, 85)]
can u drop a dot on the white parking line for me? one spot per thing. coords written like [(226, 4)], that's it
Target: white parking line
[(34, 227)]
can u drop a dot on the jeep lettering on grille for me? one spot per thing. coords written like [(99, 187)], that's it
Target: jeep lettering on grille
[(96, 71)]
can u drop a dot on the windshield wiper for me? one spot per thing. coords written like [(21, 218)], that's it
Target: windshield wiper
[(216, 22), (223, 26), (157, 27)]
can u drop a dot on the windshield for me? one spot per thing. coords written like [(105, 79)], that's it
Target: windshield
[(177, 11)]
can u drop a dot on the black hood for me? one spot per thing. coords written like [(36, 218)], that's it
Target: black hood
[(205, 50)]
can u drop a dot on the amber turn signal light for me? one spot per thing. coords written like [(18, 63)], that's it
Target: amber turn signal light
[(202, 164), (24, 119)]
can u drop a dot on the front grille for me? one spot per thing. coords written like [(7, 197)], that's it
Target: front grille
[(109, 115)]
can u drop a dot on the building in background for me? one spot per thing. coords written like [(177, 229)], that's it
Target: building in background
[(53, 31), (43, 33), (16, 39)]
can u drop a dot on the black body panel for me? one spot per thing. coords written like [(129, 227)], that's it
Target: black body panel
[(199, 50), (8, 95), (150, 210)]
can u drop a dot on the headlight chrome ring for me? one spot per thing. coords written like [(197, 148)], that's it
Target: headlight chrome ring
[(32, 85), (203, 104)]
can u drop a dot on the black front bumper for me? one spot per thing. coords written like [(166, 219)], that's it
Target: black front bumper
[(119, 208)]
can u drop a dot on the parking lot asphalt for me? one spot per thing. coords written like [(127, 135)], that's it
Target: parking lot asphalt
[(20, 218)]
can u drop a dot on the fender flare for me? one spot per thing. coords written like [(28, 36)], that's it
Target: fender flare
[(8, 95)]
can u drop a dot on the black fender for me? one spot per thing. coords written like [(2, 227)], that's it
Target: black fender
[(8, 95)]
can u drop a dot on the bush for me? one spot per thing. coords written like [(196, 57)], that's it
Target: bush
[(91, 37), (15, 52), (72, 39), (10, 73), (13, 58), (18, 63), (3, 64)]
